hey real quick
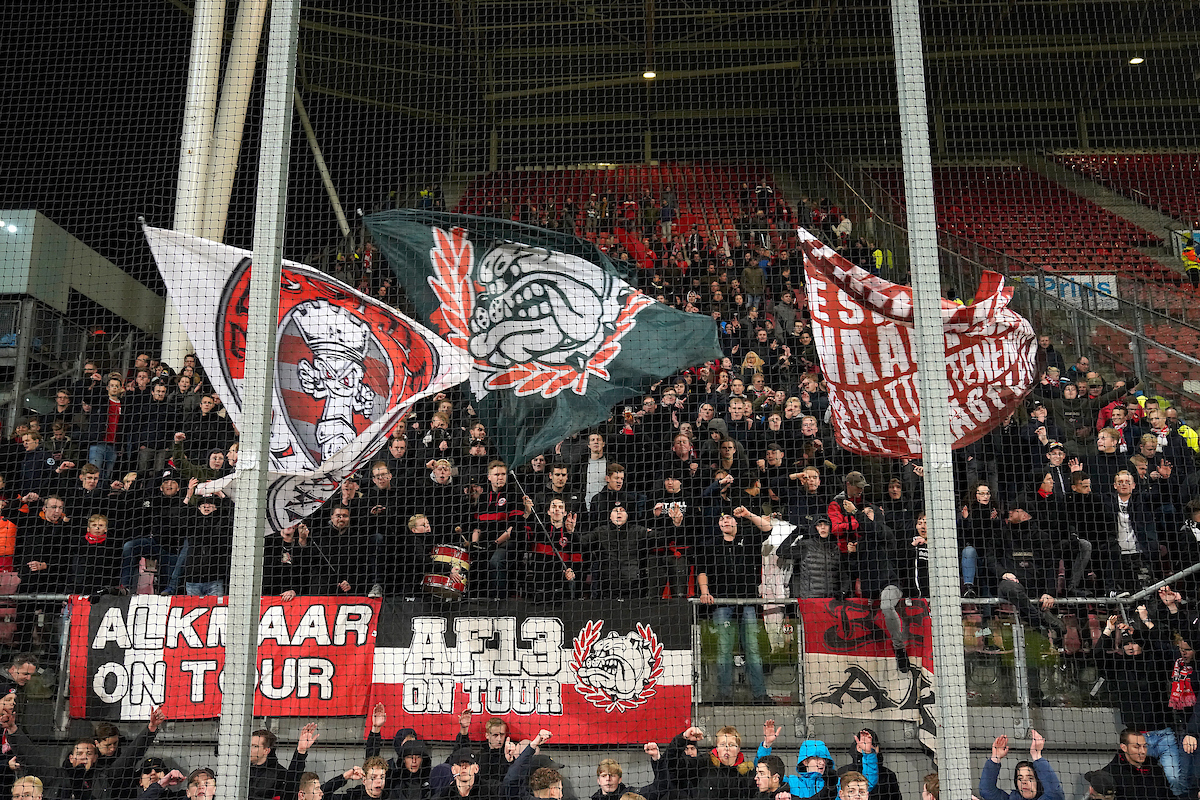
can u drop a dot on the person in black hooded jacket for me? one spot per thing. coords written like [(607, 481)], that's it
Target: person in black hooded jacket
[(408, 773), (887, 786), (117, 766)]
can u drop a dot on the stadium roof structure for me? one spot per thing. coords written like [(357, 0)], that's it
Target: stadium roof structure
[(539, 74)]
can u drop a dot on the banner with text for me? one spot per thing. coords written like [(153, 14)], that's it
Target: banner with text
[(591, 672), (850, 668), (130, 654), (863, 327)]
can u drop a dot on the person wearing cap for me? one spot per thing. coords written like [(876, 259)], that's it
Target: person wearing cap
[(156, 780), (465, 767), (155, 521), (846, 511), (1136, 773), (817, 569), (1034, 778), (1101, 785), (619, 566), (210, 540), (675, 517), (1021, 561), (1138, 669), (1039, 432)]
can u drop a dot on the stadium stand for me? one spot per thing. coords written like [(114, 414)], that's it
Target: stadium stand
[(1165, 182), (1030, 218)]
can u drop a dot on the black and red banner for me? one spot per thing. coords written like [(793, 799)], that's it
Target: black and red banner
[(593, 672), (130, 654), (850, 668)]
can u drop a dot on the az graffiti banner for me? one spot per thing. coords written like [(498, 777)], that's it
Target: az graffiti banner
[(131, 654), (592, 672), (850, 668), (556, 337), (347, 367), (863, 327)]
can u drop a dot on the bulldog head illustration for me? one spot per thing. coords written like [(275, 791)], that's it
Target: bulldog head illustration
[(617, 672), (541, 305)]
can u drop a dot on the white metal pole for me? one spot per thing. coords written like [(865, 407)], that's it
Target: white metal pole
[(319, 157), (204, 71), (934, 388), (245, 585), (231, 114)]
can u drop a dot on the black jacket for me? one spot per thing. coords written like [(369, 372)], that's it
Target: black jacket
[(271, 780), (117, 776), (1147, 782), (719, 782), (1140, 685)]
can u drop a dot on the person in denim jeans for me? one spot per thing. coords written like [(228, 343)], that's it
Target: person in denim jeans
[(210, 532), (731, 567), (1138, 668)]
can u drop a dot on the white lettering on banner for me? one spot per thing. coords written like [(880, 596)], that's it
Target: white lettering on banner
[(473, 652), (496, 695), (147, 632)]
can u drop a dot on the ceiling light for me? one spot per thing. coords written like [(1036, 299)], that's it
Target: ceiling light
[(649, 74)]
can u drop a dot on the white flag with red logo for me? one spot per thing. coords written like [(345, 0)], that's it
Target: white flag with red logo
[(347, 367), (863, 328)]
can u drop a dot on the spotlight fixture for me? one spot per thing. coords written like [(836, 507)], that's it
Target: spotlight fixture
[(649, 74), (1137, 58)]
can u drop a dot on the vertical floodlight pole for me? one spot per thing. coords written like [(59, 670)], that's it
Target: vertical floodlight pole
[(245, 586), (199, 117), (934, 388)]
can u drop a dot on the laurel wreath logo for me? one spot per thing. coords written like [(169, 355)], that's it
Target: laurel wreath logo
[(601, 698)]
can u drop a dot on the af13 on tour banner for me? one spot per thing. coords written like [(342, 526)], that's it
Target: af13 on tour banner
[(850, 667), (863, 327), (619, 673), (130, 654)]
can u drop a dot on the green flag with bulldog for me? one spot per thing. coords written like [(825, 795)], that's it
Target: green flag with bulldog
[(556, 337)]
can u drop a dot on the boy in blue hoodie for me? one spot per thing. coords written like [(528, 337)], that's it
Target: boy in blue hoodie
[(817, 774)]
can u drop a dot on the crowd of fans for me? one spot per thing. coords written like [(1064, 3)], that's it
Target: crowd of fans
[(1089, 489), (500, 768)]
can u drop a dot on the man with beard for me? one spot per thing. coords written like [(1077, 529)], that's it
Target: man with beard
[(381, 510), (338, 557)]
